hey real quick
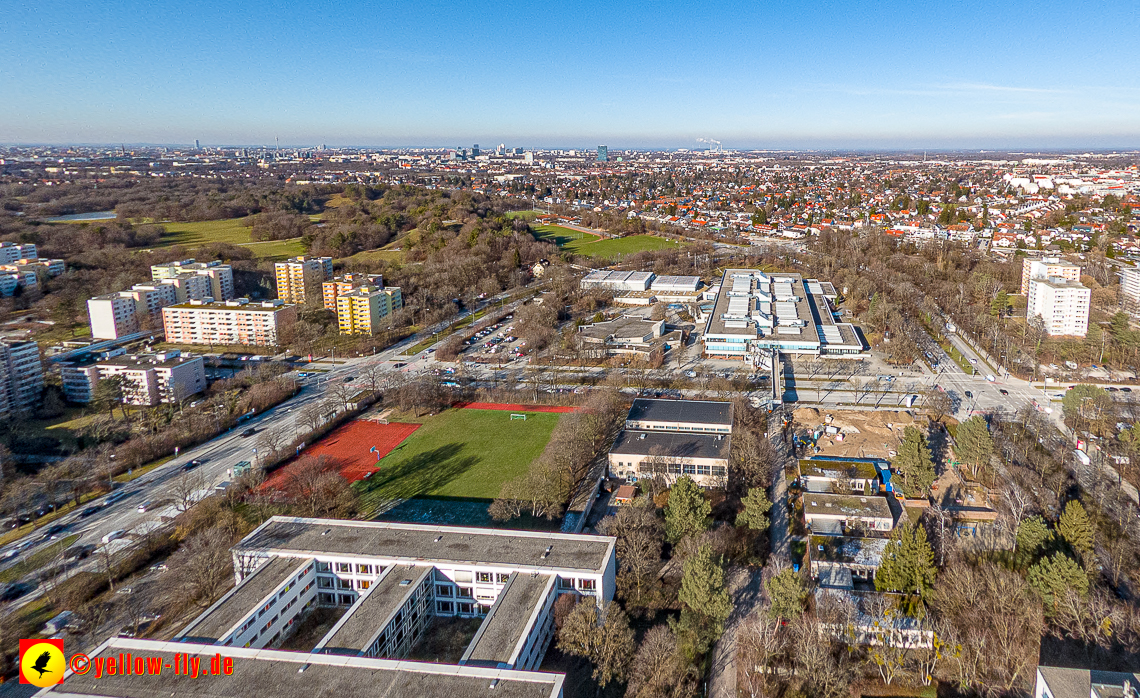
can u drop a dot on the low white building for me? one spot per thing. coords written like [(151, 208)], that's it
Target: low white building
[(618, 280), (836, 514)]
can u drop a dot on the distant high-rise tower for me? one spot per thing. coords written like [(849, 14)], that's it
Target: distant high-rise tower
[(197, 145), (475, 150), (603, 153)]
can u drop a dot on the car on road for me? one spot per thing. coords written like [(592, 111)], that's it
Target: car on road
[(973, 361), (89, 511), (9, 554), (349, 379), (969, 394), (1003, 391), (113, 535), (248, 432), (1126, 390), (192, 464), (14, 591), (145, 507), (53, 531)]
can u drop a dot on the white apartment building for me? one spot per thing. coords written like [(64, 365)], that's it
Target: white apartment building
[(11, 252), (112, 316), (1046, 268), (231, 322), (21, 376), (148, 379), (219, 276), (1061, 304), (1130, 288)]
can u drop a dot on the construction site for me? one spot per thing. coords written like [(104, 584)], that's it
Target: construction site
[(853, 434)]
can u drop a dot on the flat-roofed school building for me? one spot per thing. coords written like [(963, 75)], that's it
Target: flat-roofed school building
[(674, 438), (391, 580)]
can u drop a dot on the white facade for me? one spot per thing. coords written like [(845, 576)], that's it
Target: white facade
[(112, 316), (219, 277), (1130, 288), (148, 379), (233, 322), (1062, 306), (618, 280)]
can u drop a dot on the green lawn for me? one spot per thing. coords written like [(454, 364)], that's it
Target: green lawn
[(205, 232), (231, 230), (566, 238), (459, 453), (594, 246), (627, 245)]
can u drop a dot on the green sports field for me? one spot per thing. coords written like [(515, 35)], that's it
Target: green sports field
[(594, 246), (458, 453)]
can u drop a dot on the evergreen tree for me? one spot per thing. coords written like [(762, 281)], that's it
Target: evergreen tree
[(914, 463), (756, 507), (973, 444), (1053, 576), (1076, 528), (687, 511), (907, 566), (787, 593), (1033, 534), (702, 587)]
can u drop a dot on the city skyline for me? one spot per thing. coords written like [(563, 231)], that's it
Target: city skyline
[(820, 76)]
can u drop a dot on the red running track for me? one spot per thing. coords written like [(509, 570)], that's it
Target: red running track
[(348, 447)]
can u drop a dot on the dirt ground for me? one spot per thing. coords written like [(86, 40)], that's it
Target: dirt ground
[(861, 434)]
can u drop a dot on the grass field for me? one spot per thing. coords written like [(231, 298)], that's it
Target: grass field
[(458, 453), (205, 232), (565, 238), (627, 245), (231, 230), (594, 246)]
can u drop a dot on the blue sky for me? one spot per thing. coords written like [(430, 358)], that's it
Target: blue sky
[(767, 73)]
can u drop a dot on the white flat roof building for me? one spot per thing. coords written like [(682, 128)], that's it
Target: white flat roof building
[(756, 312), (618, 280), (388, 582)]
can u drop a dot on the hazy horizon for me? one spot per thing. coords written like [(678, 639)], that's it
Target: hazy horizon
[(820, 75)]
